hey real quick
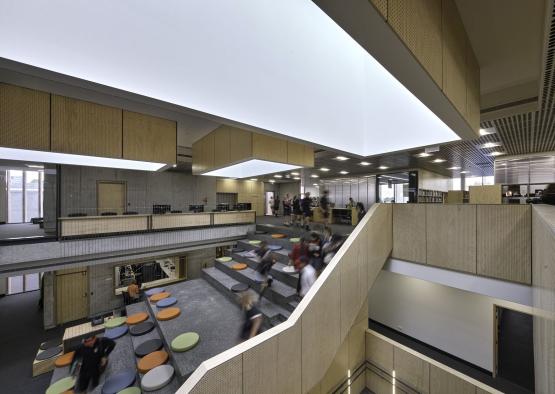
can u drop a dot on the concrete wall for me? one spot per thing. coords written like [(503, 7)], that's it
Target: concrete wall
[(79, 187), (197, 260), (432, 181), (452, 320), (49, 301)]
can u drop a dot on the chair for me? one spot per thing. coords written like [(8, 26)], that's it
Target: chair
[(176, 211), (77, 215), (130, 213), (109, 214)]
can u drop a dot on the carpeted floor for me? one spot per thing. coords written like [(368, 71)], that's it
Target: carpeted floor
[(20, 230), (21, 333), (342, 229)]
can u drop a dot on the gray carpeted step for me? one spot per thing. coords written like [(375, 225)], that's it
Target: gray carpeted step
[(290, 231), (283, 242), (281, 255), (273, 314), (277, 272)]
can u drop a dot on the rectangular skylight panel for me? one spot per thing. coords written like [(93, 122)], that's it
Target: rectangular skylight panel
[(251, 168)]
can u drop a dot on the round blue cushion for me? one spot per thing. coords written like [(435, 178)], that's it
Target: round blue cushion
[(156, 290), (114, 333), (166, 302), (119, 381), (274, 247)]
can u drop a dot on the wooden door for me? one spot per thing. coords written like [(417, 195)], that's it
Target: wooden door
[(111, 197), (72, 295)]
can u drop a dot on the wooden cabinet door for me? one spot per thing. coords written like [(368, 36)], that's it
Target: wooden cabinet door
[(111, 197), (72, 295)]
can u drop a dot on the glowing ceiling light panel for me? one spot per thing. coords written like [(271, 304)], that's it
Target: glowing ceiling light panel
[(290, 68), (77, 160), (251, 168)]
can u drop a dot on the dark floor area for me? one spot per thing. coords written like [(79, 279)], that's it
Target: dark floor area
[(449, 360), (21, 333)]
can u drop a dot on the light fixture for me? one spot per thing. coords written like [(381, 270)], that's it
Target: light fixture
[(343, 172), (77, 160), (454, 168), (424, 154), (364, 163), (34, 166), (296, 178), (324, 169), (174, 165), (383, 167), (487, 131), (315, 184), (341, 158), (497, 153), (314, 176), (465, 172), (250, 168), (272, 181), (439, 161), (278, 176), (254, 179), (295, 173), (490, 145)]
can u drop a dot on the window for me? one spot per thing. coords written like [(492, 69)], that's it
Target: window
[(23, 283), (15, 196), (25, 195)]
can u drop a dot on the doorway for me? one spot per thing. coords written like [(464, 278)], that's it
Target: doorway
[(269, 202), (72, 295), (111, 197), (515, 347)]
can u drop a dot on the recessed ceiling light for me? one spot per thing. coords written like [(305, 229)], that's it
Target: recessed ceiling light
[(383, 167), (343, 172), (314, 176), (454, 168), (278, 176), (254, 179), (295, 173), (78, 160), (251, 168), (490, 145), (296, 178), (314, 184), (465, 172), (438, 161), (487, 131), (272, 181), (34, 166), (364, 163), (341, 158), (496, 153), (424, 154), (324, 169)]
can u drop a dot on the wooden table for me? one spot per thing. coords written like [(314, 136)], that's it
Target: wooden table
[(78, 332)]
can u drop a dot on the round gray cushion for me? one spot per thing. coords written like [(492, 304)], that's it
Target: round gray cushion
[(141, 328), (50, 344), (157, 378), (239, 287), (149, 346), (49, 353), (156, 290), (119, 381), (114, 333)]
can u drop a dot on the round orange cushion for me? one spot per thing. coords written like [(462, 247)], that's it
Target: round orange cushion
[(152, 360), (137, 318), (239, 266), (64, 360), (279, 235), (160, 296), (168, 313)]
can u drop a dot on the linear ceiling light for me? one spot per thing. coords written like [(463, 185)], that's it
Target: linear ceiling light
[(324, 169), (438, 160), (383, 167), (424, 154), (364, 163), (454, 168), (251, 168), (343, 172), (77, 160), (487, 131), (490, 145), (341, 158)]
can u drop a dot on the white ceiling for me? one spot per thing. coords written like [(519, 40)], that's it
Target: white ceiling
[(284, 66)]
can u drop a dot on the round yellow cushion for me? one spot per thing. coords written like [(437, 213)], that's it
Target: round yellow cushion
[(168, 313), (137, 318)]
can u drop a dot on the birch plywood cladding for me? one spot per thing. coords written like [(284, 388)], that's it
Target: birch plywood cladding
[(24, 118)]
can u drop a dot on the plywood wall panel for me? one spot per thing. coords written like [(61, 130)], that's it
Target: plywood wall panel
[(222, 148), (472, 90), (489, 194), (379, 352), (411, 370), (454, 56), (451, 236), (504, 242), (82, 127), (265, 147), (226, 378), (381, 6), (240, 144), (149, 138), (289, 361), (24, 118), (418, 24), (260, 368), (300, 154), (442, 381), (409, 232)]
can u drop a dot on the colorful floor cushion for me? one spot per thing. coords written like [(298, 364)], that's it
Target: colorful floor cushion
[(275, 247), (141, 328), (49, 353), (289, 269), (115, 322), (64, 360), (159, 296), (224, 259), (152, 360), (130, 390), (157, 378), (137, 318), (166, 302), (294, 240), (239, 288), (255, 242), (237, 250), (278, 236), (50, 344), (185, 341), (61, 385), (156, 290), (119, 381), (149, 346), (116, 332), (239, 266), (168, 314)]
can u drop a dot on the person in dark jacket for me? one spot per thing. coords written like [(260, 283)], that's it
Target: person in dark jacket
[(297, 213), (265, 263), (276, 206), (305, 208), (90, 360)]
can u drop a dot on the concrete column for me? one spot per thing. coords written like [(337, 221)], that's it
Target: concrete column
[(49, 301)]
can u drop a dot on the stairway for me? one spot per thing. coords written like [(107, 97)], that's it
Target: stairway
[(281, 298)]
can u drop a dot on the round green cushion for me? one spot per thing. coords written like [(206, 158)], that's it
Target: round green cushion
[(130, 390), (294, 240), (185, 341), (115, 322), (255, 241), (61, 385), (224, 259)]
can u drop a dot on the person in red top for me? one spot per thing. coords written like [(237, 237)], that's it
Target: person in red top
[(299, 250)]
